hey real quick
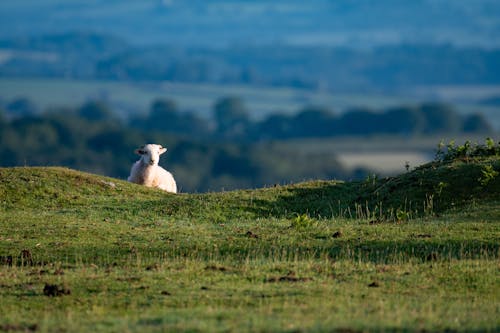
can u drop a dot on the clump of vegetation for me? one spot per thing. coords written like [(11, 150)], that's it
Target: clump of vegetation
[(488, 175), (451, 151), (302, 221)]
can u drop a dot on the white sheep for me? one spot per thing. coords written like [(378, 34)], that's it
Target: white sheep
[(146, 170)]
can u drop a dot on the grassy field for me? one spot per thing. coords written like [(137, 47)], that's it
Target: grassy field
[(417, 252)]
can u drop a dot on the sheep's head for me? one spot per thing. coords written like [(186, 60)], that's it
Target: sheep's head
[(150, 153)]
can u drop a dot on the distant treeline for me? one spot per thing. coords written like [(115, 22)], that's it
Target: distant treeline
[(406, 121), (95, 56), (91, 138), (227, 152), (232, 120)]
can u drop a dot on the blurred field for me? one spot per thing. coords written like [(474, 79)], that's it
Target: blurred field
[(137, 97), (382, 155), (128, 98), (384, 163)]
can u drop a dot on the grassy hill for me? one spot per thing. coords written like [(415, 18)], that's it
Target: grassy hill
[(81, 252)]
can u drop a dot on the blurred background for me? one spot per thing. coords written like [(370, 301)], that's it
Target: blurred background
[(246, 93)]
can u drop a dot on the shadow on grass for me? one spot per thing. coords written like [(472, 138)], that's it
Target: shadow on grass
[(385, 252), (371, 251), (431, 189)]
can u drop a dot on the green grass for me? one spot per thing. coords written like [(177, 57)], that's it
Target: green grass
[(410, 253)]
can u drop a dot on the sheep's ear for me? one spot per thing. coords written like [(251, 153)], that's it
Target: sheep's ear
[(140, 151), (162, 150)]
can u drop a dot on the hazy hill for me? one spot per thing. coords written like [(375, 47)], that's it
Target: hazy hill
[(345, 45), (359, 23), (395, 68)]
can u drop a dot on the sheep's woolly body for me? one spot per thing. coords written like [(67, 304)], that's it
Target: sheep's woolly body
[(152, 175)]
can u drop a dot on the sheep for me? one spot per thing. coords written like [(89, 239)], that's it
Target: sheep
[(146, 170)]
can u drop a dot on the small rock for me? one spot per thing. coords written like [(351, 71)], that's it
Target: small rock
[(110, 184)]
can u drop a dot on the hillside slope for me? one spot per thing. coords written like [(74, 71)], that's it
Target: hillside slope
[(63, 213), (80, 253), (432, 188)]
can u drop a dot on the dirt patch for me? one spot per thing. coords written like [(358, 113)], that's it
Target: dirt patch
[(290, 277), (374, 284), (250, 234), (6, 260), (165, 293), (129, 278), (337, 234), (18, 328), (26, 258), (153, 267), (216, 268), (346, 330), (53, 290), (424, 236), (432, 256), (40, 272)]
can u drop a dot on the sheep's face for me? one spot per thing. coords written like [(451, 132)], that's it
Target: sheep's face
[(150, 153)]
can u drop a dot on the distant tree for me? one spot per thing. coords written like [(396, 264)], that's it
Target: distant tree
[(71, 127), (96, 111), (233, 162), (275, 126), (21, 107), (250, 75), (359, 122), (314, 122), (3, 118), (402, 120), (441, 118), (476, 123), (491, 101), (164, 113), (115, 140), (231, 117), (166, 117)]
